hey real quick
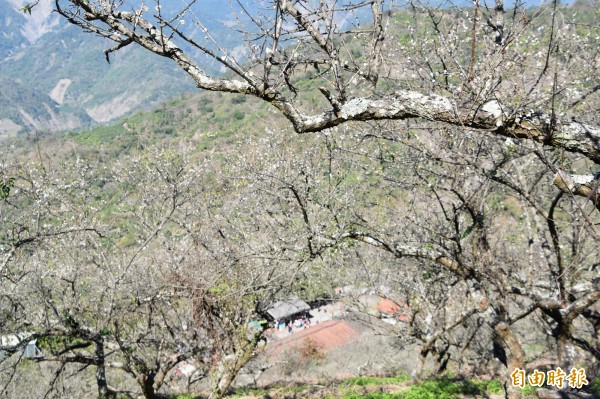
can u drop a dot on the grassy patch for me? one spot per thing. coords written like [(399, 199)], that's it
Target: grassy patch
[(250, 392), (529, 390), (375, 395), (449, 388), (443, 387), (365, 381)]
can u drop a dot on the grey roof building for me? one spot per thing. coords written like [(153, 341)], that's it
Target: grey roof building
[(287, 309)]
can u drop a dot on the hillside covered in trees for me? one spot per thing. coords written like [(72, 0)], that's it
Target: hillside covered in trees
[(446, 163)]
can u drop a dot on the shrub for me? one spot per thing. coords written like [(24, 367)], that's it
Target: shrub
[(310, 352), (238, 115), (238, 99)]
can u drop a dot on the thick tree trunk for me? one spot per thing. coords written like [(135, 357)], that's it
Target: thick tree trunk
[(103, 391), (443, 357), (515, 358), (231, 367), (566, 352), (418, 376), (147, 384), (228, 373)]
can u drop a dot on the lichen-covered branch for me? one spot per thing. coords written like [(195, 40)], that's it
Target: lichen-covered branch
[(581, 185)]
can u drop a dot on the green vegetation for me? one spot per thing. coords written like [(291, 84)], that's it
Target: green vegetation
[(56, 344), (209, 119), (374, 395), (595, 386), (448, 388), (103, 135), (384, 388), (529, 390), (5, 186), (366, 381)]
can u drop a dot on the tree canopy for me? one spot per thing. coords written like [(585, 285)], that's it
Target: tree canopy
[(521, 72)]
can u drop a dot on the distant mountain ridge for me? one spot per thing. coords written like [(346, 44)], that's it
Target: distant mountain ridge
[(66, 82), (54, 76)]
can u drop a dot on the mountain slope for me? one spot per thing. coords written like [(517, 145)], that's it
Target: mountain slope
[(35, 110), (45, 57)]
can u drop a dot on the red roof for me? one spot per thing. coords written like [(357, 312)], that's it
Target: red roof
[(391, 308)]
